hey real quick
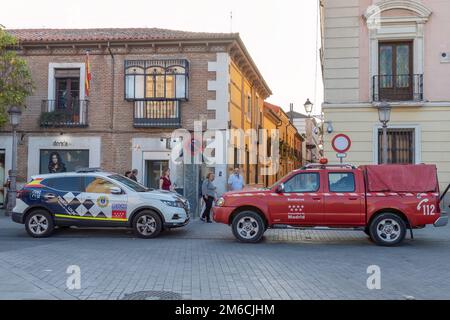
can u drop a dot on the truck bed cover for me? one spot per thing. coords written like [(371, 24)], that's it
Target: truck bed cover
[(401, 178)]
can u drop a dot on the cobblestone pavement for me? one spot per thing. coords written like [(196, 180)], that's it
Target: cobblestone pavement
[(204, 261)]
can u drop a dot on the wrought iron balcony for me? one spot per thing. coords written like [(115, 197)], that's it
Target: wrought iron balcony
[(157, 114), (397, 88), (64, 113)]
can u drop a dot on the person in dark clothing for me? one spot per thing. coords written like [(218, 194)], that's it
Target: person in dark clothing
[(209, 194), (55, 163), (128, 174), (134, 174)]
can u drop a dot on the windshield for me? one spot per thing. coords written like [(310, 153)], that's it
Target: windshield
[(272, 186), (129, 183)]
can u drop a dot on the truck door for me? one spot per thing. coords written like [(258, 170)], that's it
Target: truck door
[(301, 203), (344, 199)]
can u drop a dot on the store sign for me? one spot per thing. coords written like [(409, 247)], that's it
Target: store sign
[(61, 143)]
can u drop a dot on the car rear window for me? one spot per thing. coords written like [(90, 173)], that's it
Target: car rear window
[(72, 184), (341, 182)]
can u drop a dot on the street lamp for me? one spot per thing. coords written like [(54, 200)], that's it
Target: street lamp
[(14, 113), (384, 114), (308, 107)]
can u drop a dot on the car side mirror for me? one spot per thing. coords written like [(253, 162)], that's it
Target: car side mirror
[(280, 188), (115, 190)]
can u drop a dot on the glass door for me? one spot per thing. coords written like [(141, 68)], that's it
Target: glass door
[(395, 71), (154, 169)]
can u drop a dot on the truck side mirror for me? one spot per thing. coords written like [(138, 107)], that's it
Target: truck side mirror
[(280, 188)]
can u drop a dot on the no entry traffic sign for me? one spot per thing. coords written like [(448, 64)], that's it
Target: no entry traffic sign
[(341, 143)]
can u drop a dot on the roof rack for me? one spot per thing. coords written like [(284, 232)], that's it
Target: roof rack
[(87, 170), (323, 166)]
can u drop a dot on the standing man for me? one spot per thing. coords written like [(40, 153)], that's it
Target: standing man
[(236, 180)]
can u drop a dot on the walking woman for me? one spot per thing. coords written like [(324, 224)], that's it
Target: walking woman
[(209, 194), (164, 181)]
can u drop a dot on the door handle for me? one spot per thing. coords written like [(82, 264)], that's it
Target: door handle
[(49, 196), (353, 198), (317, 198)]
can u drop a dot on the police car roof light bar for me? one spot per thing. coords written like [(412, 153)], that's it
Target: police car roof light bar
[(86, 170)]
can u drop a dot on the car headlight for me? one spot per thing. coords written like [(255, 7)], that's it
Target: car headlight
[(220, 202), (176, 204)]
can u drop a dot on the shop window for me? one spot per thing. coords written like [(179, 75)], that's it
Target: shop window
[(57, 161)]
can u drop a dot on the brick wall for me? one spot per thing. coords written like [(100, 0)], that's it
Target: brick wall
[(112, 121)]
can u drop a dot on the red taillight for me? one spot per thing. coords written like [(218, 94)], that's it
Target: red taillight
[(21, 194)]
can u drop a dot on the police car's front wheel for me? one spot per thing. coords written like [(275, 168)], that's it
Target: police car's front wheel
[(39, 224), (147, 224)]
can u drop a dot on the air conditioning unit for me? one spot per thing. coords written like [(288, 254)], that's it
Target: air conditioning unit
[(445, 57)]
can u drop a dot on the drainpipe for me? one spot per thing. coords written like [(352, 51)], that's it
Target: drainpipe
[(113, 82), (113, 90)]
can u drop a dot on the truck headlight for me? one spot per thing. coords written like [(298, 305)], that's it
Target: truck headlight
[(220, 202), (176, 204)]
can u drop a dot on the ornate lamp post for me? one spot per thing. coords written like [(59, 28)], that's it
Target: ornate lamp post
[(308, 107), (384, 113), (15, 114)]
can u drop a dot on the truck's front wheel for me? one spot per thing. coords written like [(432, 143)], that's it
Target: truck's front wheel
[(248, 226), (388, 229)]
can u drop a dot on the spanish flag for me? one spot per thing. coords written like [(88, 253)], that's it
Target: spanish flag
[(87, 80)]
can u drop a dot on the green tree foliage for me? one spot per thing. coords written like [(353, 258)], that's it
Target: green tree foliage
[(15, 78)]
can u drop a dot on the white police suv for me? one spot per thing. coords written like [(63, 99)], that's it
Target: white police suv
[(93, 198)]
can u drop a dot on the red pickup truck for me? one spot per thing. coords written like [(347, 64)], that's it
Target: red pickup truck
[(384, 201)]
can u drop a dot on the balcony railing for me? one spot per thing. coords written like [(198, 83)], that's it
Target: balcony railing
[(157, 114), (397, 88), (72, 113)]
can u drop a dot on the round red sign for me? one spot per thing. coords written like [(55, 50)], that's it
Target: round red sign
[(341, 143)]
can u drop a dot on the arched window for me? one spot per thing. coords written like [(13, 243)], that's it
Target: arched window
[(160, 80)]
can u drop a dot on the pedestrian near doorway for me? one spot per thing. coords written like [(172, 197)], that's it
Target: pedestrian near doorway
[(164, 182), (236, 180), (209, 193)]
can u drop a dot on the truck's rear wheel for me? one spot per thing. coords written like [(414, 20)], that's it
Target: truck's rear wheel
[(388, 229), (248, 226)]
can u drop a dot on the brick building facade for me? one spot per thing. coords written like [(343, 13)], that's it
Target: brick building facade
[(145, 83)]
